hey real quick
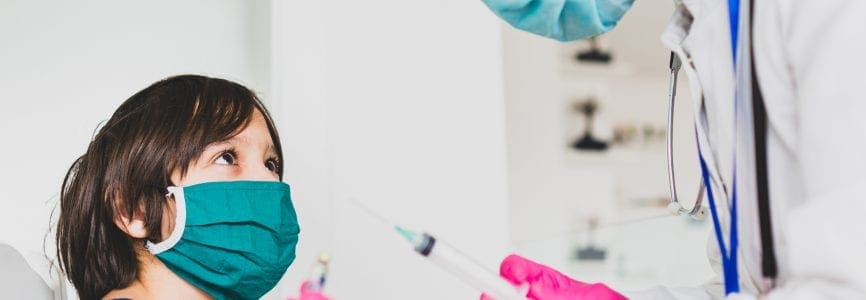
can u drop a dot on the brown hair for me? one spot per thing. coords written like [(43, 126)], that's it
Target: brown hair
[(157, 131)]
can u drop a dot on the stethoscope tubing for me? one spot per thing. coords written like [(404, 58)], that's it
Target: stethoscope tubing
[(698, 211)]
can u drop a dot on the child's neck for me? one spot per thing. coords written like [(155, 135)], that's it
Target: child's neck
[(156, 281)]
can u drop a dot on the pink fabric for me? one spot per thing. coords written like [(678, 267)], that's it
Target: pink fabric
[(308, 294), (548, 284)]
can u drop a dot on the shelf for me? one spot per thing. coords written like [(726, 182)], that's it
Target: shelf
[(612, 157)]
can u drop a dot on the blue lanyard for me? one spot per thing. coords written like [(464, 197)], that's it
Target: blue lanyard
[(729, 258), (734, 22)]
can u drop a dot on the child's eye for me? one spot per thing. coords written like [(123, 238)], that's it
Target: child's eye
[(272, 165), (226, 158)]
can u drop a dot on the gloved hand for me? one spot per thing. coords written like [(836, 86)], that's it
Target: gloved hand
[(548, 284), (564, 20), (309, 294)]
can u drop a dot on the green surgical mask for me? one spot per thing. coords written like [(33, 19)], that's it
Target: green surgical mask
[(231, 239)]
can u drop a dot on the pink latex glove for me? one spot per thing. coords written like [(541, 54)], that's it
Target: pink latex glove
[(548, 284), (309, 294)]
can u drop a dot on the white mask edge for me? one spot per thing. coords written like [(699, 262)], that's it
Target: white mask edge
[(179, 223)]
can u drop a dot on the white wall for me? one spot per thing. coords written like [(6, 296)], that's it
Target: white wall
[(399, 105), (66, 65)]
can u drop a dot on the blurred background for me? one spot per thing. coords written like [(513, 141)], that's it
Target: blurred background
[(434, 114)]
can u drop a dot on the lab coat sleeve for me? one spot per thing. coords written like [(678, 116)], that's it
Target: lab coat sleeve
[(816, 50)]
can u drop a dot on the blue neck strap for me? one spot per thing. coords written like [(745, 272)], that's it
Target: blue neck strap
[(734, 22), (729, 256)]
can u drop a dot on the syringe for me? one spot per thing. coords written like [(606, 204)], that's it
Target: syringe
[(460, 265)]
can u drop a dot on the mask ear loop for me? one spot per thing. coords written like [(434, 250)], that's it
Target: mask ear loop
[(179, 223)]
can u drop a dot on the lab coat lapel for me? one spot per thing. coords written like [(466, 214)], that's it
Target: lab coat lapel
[(677, 37), (708, 45)]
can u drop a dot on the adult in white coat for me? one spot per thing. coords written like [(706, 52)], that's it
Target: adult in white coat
[(809, 60)]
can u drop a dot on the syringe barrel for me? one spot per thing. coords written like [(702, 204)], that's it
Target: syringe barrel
[(458, 264)]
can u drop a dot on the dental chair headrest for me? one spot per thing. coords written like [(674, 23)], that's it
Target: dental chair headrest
[(18, 280)]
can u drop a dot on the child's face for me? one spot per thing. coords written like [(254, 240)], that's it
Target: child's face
[(250, 155)]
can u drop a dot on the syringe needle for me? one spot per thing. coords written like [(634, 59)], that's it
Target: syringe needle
[(370, 212)]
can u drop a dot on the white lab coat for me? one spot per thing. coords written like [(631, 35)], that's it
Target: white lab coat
[(811, 64)]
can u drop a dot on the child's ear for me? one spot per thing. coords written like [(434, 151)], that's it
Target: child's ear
[(132, 225)]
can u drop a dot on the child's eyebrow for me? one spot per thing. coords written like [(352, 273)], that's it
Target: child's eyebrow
[(239, 140), (235, 140), (272, 149)]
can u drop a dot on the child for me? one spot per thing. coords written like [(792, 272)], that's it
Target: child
[(179, 195)]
